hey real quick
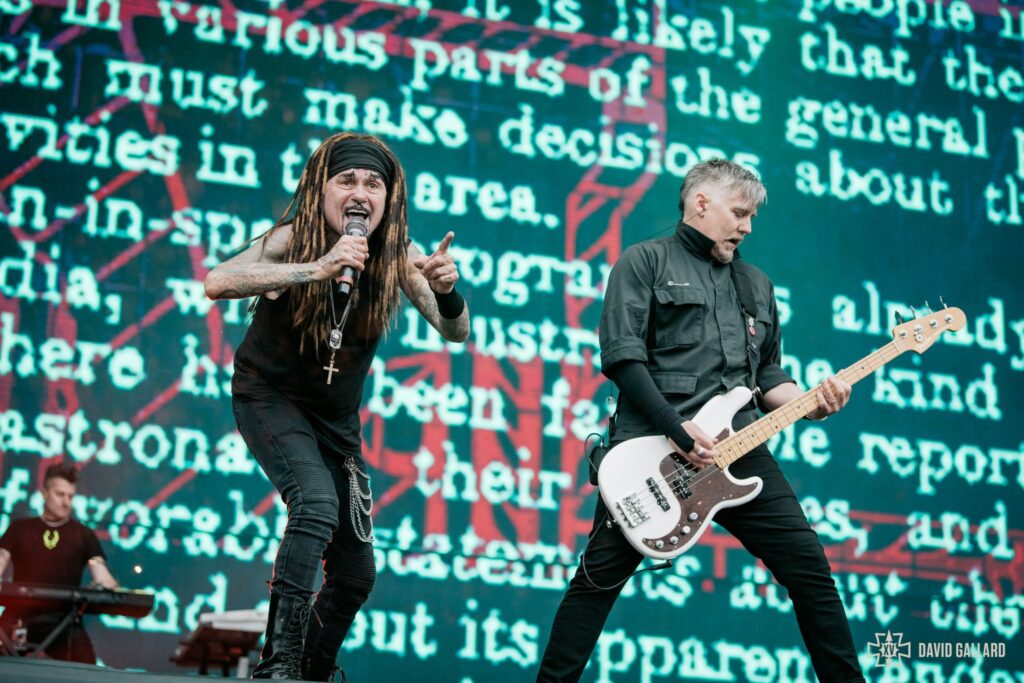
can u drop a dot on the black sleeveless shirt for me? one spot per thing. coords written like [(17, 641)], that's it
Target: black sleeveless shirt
[(268, 366)]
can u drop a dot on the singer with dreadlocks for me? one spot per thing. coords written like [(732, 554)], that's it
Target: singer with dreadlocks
[(327, 277)]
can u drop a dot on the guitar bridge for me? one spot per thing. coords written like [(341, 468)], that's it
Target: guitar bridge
[(632, 510), (659, 497)]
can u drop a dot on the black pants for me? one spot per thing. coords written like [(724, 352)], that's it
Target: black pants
[(317, 486), (772, 527)]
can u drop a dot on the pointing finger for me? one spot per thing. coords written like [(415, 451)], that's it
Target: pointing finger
[(443, 247)]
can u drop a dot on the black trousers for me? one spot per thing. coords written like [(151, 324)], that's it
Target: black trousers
[(772, 527), (319, 487)]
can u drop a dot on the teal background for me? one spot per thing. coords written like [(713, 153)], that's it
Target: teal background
[(467, 586)]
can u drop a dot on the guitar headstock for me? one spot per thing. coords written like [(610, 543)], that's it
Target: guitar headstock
[(921, 332)]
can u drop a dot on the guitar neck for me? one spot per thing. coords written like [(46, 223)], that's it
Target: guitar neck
[(753, 435)]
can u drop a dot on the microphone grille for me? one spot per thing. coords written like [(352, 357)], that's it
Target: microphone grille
[(357, 226)]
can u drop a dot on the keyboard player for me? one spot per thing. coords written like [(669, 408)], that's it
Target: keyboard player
[(53, 549)]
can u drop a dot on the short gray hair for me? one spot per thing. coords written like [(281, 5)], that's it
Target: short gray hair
[(726, 174)]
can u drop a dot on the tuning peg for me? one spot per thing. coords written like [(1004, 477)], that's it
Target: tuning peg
[(943, 303), (899, 317), (927, 306), (913, 311)]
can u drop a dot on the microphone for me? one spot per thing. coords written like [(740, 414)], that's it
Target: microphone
[(349, 275)]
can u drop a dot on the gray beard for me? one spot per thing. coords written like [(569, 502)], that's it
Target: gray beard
[(721, 255)]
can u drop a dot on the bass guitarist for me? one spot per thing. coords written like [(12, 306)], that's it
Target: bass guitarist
[(685, 319)]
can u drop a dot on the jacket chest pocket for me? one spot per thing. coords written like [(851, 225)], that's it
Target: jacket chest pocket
[(678, 316)]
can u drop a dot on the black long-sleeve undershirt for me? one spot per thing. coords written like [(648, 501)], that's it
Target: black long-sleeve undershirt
[(635, 383)]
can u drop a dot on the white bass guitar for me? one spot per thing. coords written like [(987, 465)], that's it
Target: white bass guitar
[(663, 505)]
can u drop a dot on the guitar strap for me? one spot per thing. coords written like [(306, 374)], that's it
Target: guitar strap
[(744, 287), (742, 280)]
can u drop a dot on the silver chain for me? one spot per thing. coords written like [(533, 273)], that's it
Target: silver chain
[(334, 340), (359, 504)]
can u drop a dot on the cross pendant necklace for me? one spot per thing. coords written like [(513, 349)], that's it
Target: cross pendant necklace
[(330, 368), (334, 341)]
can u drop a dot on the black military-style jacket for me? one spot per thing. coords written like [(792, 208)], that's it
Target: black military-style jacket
[(671, 306)]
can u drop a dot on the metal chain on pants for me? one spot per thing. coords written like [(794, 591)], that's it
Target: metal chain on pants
[(359, 504)]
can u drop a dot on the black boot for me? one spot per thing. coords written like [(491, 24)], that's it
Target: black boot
[(327, 628), (322, 669), (286, 633)]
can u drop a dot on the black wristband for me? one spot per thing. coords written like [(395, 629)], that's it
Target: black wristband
[(671, 425), (450, 305)]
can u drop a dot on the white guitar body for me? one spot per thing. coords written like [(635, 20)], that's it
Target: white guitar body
[(661, 504)]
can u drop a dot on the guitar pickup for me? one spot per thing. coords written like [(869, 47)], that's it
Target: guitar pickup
[(659, 497), (681, 483)]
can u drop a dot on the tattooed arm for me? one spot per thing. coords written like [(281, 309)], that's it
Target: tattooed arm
[(260, 269), (440, 269)]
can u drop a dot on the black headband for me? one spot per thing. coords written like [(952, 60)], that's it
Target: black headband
[(358, 153)]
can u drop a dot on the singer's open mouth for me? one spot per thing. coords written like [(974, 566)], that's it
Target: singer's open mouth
[(349, 213)]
